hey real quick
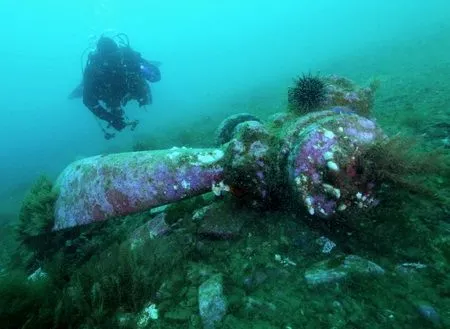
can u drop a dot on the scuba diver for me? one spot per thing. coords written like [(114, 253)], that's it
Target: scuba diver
[(114, 75)]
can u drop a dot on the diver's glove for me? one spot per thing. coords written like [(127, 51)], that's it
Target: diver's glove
[(116, 119), (109, 136), (117, 123), (113, 117), (133, 124)]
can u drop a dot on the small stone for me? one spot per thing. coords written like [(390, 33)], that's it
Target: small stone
[(331, 190), (328, 156), (158, 226), (157, 210), (199, 214), (429, 313), (219, 223), (39, 274), (149, 313), (220, 188), (285, 261), (154, 228), (332, 166), (329, 134), (409, 268), (212, 303), (327, 271), (327, 244), (342, 207), (255, 305)]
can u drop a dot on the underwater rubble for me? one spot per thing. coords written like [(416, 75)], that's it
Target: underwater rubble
[(314, 220)]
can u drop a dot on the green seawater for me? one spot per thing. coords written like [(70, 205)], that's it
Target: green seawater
[(220, 58)]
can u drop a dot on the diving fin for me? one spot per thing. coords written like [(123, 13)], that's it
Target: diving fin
[(155, 63), (77, 92)]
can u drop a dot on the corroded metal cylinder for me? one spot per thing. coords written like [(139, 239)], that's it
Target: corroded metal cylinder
[(105, 186), (310, 160), (323, 149)]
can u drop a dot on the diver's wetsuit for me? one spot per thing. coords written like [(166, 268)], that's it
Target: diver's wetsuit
[(114, 78)]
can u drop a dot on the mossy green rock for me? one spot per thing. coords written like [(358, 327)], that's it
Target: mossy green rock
[(36, 214), (337, 269), (212, 303)]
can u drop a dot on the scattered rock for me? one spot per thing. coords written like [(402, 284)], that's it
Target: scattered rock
[(149, 313), (157, 210), (429, 313), (199, 214), (39, 274), (221, 229), (285, 261), (255, 305), (155, 227), (326, 244), (220, 189), (158, 226), (337, 269), (212, 303), (409, 268), (219, 223)]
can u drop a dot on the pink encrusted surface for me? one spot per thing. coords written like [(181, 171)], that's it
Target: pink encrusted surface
[(100, 187), (321, 164)]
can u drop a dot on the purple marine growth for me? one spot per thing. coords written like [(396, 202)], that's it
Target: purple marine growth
[(310, 159)]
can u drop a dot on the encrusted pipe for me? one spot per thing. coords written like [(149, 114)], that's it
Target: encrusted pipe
[(105, 186), (323, 150)]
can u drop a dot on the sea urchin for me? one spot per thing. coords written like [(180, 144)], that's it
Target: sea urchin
[(307, 94)]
